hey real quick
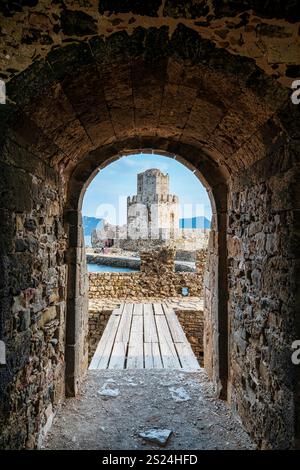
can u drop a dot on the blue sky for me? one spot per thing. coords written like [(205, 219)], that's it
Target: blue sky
[(107, 193)]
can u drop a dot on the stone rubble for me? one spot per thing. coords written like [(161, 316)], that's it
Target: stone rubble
[(156, 436), (108, 390), (179, 394)]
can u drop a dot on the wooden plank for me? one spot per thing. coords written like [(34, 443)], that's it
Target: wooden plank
[(125, 323), (150, 332), (135, 356), (167, 348), (138, 309), (176, 329), (111, 327), (148, 308), (152, 356), (187, 357), (118, 355), (119, 310), (102, 354), (158, 310), (103, 363)]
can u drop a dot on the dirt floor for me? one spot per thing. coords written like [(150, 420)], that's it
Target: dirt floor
[(116, 406)]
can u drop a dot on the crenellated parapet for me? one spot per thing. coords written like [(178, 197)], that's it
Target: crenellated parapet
[(153, 198)]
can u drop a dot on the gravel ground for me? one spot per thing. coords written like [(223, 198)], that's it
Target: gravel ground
[(115, 406)]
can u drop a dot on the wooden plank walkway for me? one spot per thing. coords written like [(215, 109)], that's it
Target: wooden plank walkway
[(144, 336)]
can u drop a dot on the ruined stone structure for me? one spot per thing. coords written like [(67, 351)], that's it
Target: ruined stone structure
[(156, 278), (152, 220), (206, 82), (152, 212)]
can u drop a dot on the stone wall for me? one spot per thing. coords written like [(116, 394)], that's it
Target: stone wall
[(32, 296), (192, 239), (139, 285), (192, 323), (98, 318), (262, 302), (157, 278), (265, 33)]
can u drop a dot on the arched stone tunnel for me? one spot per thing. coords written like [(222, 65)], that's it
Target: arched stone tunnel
[(206, 82)]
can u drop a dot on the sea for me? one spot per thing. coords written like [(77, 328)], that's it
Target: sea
[(102, 268)]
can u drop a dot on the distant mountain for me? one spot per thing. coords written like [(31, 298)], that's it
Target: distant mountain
[(89, 224), (195, 222)]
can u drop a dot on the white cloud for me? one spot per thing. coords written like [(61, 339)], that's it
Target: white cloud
[(143, 165)]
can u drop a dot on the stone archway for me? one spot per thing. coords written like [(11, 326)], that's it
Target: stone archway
[(171, 85), (216, 332)]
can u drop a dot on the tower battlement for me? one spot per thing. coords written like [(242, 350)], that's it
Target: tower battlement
[(155, 198), (153, 211)]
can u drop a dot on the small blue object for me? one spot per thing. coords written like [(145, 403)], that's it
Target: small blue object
[(185, 291)]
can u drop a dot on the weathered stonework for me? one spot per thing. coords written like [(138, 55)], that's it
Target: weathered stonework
[(212, 90), (243, 28), (261, 286), (98, 318), (192, 323), (127, 285), (33, 304), (156, 278)]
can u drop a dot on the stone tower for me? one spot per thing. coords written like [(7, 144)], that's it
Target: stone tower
[(152, 213)]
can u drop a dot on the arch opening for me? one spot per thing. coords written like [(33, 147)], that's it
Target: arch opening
[(157, 210), (215, 341)]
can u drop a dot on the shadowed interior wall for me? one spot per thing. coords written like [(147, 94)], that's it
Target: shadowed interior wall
[(33, 287), (262, 285)]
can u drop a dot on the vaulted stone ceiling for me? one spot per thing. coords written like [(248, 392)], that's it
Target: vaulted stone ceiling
[(211, 74), (264, 30)]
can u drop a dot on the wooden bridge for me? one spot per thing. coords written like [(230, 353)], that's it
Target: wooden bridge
[(144, 336)]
